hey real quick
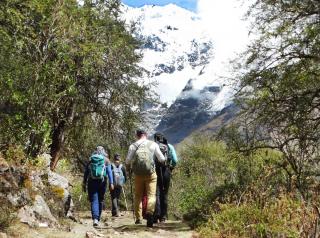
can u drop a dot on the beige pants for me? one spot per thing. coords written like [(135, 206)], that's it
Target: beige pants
[(146, 183)]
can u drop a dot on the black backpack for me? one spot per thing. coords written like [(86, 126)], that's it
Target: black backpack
[(165, 150)]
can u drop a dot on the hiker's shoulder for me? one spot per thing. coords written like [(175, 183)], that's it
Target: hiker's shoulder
[(140, 142), (171, 147), (151, 143), (133, 145)]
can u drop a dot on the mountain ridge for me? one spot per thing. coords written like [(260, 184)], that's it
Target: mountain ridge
[(179, 56)]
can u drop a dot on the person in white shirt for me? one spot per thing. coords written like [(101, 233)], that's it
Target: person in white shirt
[(140, 159)]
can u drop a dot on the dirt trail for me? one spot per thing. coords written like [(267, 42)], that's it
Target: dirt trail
[(111, 227)]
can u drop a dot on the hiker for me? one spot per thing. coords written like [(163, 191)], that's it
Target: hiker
[(140, 158), (95, 182), (119, 178), (163, 177)]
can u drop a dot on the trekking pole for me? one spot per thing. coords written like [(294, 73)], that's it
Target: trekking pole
[(125, 199)]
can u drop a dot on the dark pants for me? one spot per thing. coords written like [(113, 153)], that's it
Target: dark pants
[(115, 196), (96, 192), (163, 183)]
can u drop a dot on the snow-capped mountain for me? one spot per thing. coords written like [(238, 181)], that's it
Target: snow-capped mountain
[(179, 56)]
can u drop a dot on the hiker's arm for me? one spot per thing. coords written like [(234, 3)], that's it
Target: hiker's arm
[(174, 158), (109, 173), (130, 155), (158, 154)]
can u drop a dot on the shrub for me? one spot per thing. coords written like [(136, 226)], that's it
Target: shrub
[(64, 167), (15, 155), (80, 198), (202, 167), (284, 217), (209, 173), (7, 215), (57, 191)]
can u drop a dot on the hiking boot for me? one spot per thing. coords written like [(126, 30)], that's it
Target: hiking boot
[(162, 220), (95, 222), (116, 213), (149, 220), (155, 220), (138, 221)]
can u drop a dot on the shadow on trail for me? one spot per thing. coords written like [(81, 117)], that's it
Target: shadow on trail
[(170, 226)]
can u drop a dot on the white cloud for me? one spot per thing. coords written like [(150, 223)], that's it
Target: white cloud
[(223, 19)]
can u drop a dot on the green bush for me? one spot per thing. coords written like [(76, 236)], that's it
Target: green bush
[(7, 215), (202, 167), (65, 167), (284, 217), (80, 198), (15, 155), (209, 173)]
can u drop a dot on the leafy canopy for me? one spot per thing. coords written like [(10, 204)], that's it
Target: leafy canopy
[(61, 62)]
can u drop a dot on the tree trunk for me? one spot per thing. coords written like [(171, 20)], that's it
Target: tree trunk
[(57, 143), (58, 132), (36, 143)]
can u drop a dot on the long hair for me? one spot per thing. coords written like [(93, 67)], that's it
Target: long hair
[(159, 137)]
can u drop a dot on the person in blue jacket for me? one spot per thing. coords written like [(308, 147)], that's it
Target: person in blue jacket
[(95, 181), (163, 177)]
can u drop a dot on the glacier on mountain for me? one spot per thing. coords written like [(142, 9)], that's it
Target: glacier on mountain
[(178, 52)]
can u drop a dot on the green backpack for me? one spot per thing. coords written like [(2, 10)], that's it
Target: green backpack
[(143, 163), (97, 166)]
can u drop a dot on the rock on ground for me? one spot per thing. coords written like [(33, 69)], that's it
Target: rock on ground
[(3, 235), (37, 215)]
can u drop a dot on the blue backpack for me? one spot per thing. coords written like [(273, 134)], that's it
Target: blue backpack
[(97, 166), (118, 177)]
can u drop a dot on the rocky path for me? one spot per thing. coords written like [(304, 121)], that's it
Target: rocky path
[(110, 227)]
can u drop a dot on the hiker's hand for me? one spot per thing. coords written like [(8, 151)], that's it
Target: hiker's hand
[(111, 187), (84, 188)]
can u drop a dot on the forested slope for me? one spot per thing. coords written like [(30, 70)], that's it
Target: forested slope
[(69, 81)]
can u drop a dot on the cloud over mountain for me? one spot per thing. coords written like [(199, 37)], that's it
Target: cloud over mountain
[(180, 55)]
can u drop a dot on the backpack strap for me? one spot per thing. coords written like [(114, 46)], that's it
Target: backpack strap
[(137, 147), (103, 170), (148, 142), (115, 167)]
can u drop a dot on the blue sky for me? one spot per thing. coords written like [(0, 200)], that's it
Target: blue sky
[(188, 4)]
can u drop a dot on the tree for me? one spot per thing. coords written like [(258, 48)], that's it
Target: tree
[(280, 84), (62, 62)]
